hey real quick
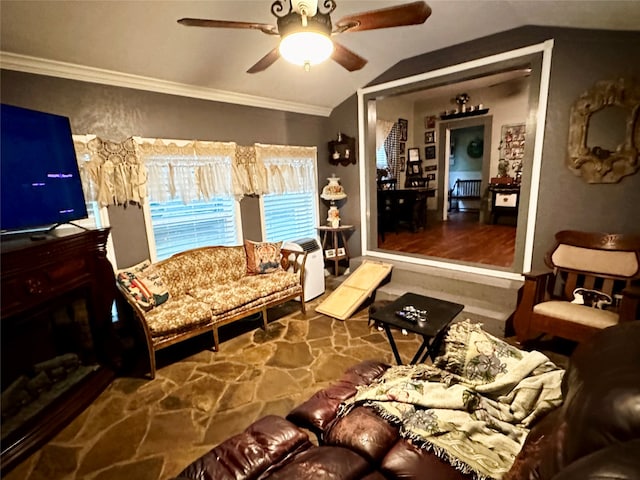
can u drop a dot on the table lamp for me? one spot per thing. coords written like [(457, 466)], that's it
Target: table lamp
[(333, 192)]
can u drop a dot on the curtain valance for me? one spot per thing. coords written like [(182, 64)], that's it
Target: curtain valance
[(188, 170), (130, 171), (289, 169), (112, 172)]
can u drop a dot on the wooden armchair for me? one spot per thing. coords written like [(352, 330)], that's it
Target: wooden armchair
[(602, 262)]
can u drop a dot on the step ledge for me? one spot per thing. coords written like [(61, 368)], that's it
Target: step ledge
[(445, 273)]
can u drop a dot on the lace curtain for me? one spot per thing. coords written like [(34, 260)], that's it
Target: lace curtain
[(288, 169), (111, 172), (188, 170), (392, 149), (250, 175), (118, 173), (383, 129)]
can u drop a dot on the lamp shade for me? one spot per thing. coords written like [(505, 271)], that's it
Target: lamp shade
[(333, 190), (305, 39), (306, 48)]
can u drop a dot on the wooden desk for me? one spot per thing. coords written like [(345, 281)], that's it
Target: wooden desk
[(333, 238), (405, 206)]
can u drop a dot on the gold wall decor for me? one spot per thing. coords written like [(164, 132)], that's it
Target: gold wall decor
[(588, 156)]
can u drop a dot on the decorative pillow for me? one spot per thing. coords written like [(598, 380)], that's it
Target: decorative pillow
[(144, 284), (591, 298), (262, 257)]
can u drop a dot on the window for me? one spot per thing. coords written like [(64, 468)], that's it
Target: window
[(178, 227), (381, 158), (290, 212), (290, 216), (191, 203), (98, 216)]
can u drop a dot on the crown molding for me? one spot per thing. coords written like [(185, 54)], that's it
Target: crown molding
[(53, 68)]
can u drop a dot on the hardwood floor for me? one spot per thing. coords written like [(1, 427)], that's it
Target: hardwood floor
[(461, 238)]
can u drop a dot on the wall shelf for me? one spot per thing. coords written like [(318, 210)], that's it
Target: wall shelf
[(342, 151), (473, 113)]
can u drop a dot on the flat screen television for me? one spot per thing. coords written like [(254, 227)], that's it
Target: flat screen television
[(40, 181)]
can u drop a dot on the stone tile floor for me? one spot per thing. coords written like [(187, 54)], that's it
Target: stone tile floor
[(151, 429)]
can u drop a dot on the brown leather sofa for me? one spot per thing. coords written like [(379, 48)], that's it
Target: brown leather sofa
[(595, 434)]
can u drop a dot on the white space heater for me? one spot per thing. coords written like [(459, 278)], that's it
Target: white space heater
[(314, 266)]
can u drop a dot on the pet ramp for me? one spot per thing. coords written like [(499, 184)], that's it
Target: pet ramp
[(359, 285)]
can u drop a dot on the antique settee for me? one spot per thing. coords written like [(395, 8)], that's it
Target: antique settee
[(593, 434), (202, 289)]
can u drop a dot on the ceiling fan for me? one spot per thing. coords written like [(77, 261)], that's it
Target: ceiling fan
[(305, 26)]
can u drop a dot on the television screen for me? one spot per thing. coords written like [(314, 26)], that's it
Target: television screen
[(40, 181)]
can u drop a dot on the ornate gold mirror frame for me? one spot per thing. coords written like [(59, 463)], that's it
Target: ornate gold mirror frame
[(594, 163)]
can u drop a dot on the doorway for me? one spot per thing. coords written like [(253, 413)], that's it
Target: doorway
[(534, 64), (466, 156)]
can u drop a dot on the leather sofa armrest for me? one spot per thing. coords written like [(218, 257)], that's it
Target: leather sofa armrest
[(318, 411), (265, 445), (620, 461)]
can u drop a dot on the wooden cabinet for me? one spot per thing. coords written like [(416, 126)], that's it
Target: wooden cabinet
[(505, 200), (57, 295)]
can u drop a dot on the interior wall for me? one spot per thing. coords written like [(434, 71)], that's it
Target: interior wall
[(580, 58), (117, 113), (507, 104), (344, 120)]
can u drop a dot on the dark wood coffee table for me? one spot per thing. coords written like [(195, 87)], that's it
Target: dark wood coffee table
[(440, 314)]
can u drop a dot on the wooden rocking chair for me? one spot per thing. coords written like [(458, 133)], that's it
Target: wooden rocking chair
[(586, 267)]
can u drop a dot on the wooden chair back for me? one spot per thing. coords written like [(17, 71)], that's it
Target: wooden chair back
[(389, 184), (466, 189), (604, 262)]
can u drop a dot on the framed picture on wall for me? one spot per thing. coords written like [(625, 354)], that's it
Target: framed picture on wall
[(404, 129), (415, 168), (430, 152), (402, 147), (430, 168), (431, 177), (430, 136), (430, 121), (402, 164), (414, 154)]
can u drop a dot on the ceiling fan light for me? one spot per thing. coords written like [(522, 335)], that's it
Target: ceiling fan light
[(306, 48)]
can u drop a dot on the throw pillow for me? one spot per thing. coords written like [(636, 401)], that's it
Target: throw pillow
[(591, 298), (155, 284), (262, 257), (144, 285)]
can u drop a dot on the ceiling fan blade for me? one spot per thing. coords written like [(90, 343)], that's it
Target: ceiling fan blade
[(200, 22), (409, 14), (345, 57), (266, 61)]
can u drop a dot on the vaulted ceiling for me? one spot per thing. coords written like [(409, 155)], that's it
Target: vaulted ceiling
[(139, 43)]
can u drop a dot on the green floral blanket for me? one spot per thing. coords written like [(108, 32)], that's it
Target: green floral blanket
[(474, 406)]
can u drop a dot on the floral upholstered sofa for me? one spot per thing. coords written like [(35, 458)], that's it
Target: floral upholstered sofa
[(200, 290)]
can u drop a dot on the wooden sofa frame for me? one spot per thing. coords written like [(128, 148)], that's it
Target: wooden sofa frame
[(294, 260), (569, 272)]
